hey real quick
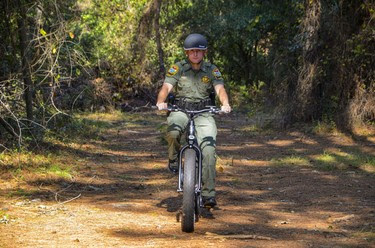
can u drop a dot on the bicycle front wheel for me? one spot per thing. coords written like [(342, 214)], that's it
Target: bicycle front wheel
[(188, 199)]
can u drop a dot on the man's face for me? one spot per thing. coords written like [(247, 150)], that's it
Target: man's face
[(195, 55)]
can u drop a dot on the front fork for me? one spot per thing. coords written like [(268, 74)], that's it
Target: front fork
[(198, 151)]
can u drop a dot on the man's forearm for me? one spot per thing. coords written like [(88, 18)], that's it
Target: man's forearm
[(162, 96), (223, 97), (163, 93)]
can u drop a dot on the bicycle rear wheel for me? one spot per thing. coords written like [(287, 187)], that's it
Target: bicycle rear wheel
[(188, 199)]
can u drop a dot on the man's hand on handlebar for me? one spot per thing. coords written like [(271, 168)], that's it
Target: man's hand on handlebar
[(226, 109), (162, 105)]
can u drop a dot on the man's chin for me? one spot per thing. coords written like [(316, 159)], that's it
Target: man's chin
[(195, 62)]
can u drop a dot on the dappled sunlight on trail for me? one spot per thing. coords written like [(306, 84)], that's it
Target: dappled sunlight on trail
[(275, 189)]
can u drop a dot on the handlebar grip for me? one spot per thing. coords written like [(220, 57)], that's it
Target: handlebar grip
[(156, 108)]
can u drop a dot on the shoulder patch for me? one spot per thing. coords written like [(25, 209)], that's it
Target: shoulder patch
[(217, 73), (173, 70)]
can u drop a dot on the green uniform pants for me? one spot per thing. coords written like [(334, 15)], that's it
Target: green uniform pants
[(206, 131)]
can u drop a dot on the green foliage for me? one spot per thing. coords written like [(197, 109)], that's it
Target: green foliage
[(56, 170), (78, 129), (292, 161), (20, 193), (107, 30), (331, 160), (250, 28), (17, 163), (325, 126), (258, 46)]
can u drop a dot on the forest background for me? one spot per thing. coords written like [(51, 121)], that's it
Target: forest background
[(296, 60)]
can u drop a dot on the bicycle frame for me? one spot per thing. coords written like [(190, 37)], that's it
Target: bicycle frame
[(190, 170), (191, 144)]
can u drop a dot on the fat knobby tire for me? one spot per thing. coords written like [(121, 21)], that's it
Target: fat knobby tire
[(188, 199)]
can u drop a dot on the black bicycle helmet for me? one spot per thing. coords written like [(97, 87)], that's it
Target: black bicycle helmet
[(195, 41)]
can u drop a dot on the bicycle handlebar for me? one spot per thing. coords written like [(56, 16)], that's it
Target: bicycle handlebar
[(175, 108), (208, 109)]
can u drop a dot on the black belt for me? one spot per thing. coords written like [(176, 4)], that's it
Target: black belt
[(193, 105)]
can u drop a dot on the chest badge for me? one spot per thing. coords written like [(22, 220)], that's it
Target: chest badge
[(172, 71), (205, 79)]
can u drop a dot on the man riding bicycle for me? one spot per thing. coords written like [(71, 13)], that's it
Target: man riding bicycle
[(194, 80)]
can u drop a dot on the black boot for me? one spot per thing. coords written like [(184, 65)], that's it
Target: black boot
[(173, 166), (209, 202)]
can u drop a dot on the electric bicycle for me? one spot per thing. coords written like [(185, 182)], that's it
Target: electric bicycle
[(190, 170)]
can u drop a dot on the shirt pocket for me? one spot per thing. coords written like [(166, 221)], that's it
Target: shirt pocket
[(205, 86), (184, 86)]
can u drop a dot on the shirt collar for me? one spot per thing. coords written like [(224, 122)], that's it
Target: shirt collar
[(189, 67)]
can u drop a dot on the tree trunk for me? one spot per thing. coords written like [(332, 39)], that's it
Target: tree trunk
[(355, 75), (6, 12), (148, 24), (256, 70), (306, 107), (158, 38), (28, 83), (144, 31)]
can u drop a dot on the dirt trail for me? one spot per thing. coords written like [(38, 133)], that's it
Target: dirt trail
[(123, 196)]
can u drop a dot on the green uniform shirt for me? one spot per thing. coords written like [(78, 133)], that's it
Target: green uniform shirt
[(193, 85)]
